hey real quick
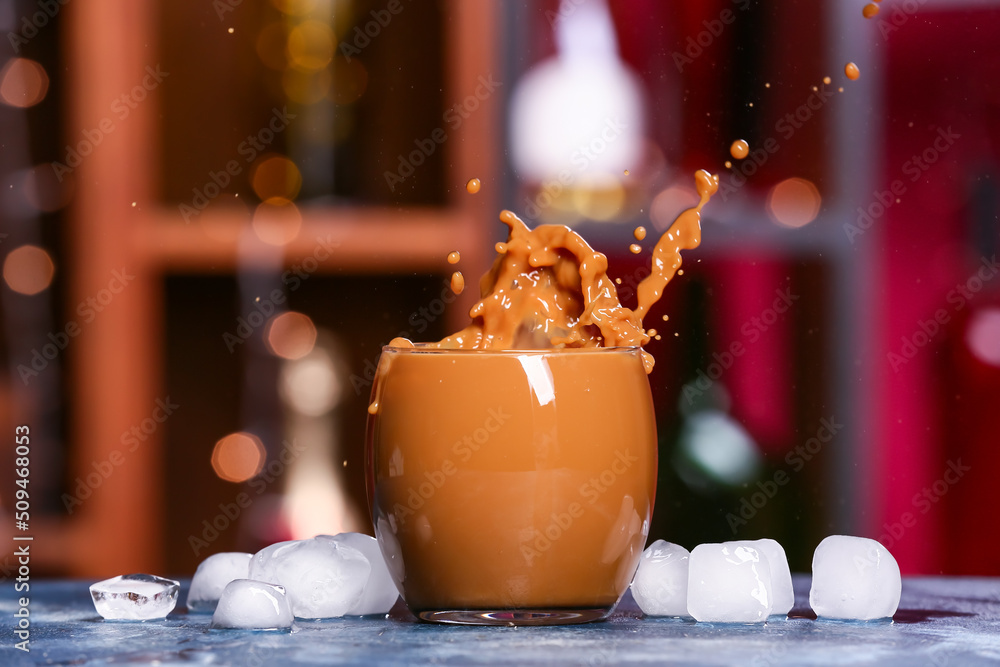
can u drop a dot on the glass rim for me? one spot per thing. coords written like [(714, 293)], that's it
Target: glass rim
[(425, 348)]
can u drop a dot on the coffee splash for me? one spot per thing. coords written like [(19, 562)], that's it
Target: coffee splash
[(549, 289)]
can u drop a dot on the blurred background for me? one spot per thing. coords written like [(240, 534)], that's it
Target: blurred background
[(214, 213)]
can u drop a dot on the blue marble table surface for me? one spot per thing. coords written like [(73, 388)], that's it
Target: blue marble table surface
[(941, 621)]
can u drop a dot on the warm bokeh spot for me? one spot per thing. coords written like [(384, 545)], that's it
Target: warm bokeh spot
[(238, 457), (28, 269)]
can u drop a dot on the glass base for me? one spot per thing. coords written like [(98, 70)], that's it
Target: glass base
[(515, 617)]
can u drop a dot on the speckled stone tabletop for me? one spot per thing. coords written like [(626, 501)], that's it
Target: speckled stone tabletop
[(941, 621)]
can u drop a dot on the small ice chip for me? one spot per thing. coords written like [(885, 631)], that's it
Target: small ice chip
[(252, 605), (660, 585), (854, 578), (781, 575), (134, 597), (380, 592), (212, 576), (322, 578), (729, 583)]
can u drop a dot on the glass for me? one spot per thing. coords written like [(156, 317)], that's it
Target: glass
[(511, 487)]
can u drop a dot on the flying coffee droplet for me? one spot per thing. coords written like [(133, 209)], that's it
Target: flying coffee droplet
[(639, 233), (626, 172), (852, 71), (827, 80), (472, 187), (454, 257), (457, 282), (870, 10), (729, 165), (635, 248), (373, 408), (740, 149)]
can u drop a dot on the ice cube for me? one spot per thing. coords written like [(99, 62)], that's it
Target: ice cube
[(252, 605), (212, 576), (660, 585), (729, 583), (322, 578), (781, 576), (854, 578), (380, 592), (135, 597)]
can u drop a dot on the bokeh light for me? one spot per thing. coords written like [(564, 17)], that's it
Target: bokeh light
[(311, 45), (306, 87), (669, 203), (310, 385), (28, 269), (43, 189), (238, 457), (271, 46), (276, 176), (350, 80), (277, 221), (294, 7), (794, 202), (23, 83), (290, 335), (983, 336)]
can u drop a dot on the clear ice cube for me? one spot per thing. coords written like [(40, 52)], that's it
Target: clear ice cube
[(854, 578), (660, 585), (135, 597), (380, 592), (781, 575), (212, 576), (252, 605), (729, 583), (322, 578)]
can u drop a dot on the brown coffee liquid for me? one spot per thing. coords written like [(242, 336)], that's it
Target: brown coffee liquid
[(870, 10), (852, 71), (513, 497), (740, 149), (548, 288), (454, 257), (472, 187), (457, 282)]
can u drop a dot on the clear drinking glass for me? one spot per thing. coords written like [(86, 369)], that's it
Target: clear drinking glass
[(511, 487)]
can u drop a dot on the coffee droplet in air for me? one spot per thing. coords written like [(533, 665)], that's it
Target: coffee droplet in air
[(870, 10), (635, 248), (472, 187), (650, 332), (454, 257), (639, 233), (740, 149), (729, 165), (827, 80), (852, 71), (457, 282), (372, 409), (626, 172)]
